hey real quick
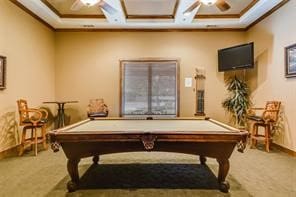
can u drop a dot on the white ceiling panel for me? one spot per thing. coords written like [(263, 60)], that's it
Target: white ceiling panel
[(150, 7)]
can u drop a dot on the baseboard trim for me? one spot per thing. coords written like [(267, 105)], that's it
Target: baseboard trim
[(284, 149), (11, 152)]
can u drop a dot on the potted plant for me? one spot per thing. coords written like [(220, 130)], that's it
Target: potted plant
[(238, 101)]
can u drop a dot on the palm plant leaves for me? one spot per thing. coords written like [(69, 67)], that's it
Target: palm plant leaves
[(238, 100)]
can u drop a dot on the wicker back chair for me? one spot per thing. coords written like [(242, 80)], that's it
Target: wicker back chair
[(32, 119), (97, 108), (268, 118)]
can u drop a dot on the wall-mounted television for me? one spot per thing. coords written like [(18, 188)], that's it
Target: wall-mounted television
[(236, 57)]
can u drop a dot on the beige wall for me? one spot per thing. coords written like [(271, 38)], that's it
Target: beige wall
[(87, 65), (29, 48), (43, 65), (269, 82)]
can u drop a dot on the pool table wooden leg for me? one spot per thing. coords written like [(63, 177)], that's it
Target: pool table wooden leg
[(72, 167), (202, 159), (223, 171), (96, 159)]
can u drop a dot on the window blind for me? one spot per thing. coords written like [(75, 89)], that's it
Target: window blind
[(149, 88)]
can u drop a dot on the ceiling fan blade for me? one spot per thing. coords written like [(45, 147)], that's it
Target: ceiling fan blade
[(108, 8), (77, 5), (222, 5), (192, 7)]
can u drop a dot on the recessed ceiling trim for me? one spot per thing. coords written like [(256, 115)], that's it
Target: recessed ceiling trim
[(81, 16), (52, 8), (150, 17), (124, 8), (201, 16), (275, 8), (248, 7), (24, 8), (262, 7), (176, 8)]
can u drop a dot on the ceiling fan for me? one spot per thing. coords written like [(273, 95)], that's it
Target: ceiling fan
[(221, 4), (78, 4)]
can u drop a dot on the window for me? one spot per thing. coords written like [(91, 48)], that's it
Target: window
[(149, 88)]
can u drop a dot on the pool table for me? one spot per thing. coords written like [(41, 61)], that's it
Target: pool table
[(199, 136)]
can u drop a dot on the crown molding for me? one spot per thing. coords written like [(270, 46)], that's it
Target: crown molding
[(18, 4)]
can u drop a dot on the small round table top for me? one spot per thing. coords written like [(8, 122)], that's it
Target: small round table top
[(59, 102)]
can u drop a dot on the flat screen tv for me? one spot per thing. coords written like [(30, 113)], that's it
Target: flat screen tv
[(236, 57)]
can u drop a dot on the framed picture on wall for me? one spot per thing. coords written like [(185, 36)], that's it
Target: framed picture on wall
[(290, 53), (2, 72)]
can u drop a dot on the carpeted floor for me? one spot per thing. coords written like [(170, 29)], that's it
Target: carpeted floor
[(254, 173)]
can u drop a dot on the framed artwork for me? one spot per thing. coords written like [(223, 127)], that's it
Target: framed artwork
[(2, 72), (290, 53)]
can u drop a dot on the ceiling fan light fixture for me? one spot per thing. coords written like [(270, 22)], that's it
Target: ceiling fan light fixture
[(208, 2), (89, 2)]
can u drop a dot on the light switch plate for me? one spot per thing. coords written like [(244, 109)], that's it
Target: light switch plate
[(188, 82)]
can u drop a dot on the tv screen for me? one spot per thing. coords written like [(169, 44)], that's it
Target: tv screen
[(237, 57)]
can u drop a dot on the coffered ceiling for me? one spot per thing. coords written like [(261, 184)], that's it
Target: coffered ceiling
[(149, 14)]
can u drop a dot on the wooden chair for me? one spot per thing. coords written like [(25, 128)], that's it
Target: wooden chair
[(32, 119), (266, 120), (97, 108)]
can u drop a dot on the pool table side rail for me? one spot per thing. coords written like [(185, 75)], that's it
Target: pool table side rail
[(225, 126), (196, 137), (62, 135), (55, 131), (231, 129)]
